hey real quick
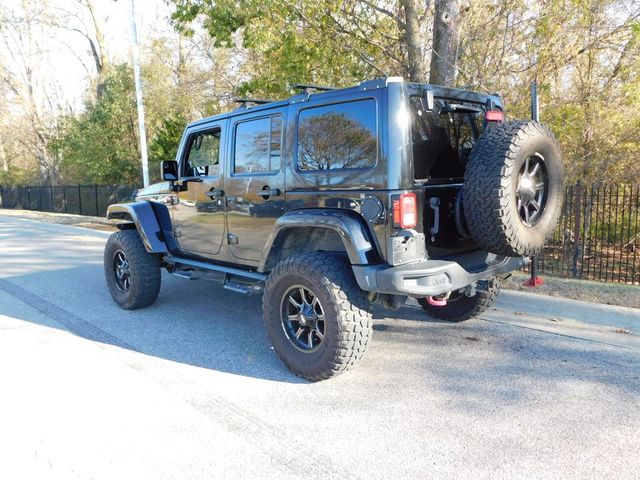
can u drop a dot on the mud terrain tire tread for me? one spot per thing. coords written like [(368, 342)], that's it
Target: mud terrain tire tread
[(489, 185), (346, 309)]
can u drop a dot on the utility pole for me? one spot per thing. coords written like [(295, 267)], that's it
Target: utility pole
[(139, 102)]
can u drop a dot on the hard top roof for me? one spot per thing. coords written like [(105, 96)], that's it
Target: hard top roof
[(438, 91)]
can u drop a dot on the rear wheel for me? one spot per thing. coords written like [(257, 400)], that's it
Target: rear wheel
[(316, 316), (132, 273), (460, 307)]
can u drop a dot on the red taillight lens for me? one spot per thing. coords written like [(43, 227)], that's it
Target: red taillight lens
[(494, 116), (405, 211)]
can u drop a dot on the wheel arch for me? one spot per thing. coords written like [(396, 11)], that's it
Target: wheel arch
[(150, 219), (309, 230)]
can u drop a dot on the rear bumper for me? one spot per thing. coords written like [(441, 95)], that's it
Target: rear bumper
[(434, 277)]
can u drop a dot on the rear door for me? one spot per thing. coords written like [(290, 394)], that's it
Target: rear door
[(255, 184)]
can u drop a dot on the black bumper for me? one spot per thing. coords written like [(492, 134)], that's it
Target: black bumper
[(434, 277)]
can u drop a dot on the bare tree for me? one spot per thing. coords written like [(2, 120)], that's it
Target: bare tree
[(416, 60), (34, 99), (446, 38), (85, 22)]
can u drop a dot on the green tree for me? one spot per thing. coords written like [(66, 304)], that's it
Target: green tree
[(101, 145)]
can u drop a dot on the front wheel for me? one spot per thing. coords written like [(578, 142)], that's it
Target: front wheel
[(316, 316), (460, 307), (132, 273)]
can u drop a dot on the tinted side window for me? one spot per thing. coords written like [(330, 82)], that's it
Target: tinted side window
[(338, 136), (204, 154), (258, 145)]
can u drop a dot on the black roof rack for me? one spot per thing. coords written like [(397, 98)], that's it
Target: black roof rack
[(307, 87), (244, 101)]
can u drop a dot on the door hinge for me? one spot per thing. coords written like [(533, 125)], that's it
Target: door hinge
[(232, 239)]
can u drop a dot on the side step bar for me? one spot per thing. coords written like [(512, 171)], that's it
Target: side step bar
[(234, 279)]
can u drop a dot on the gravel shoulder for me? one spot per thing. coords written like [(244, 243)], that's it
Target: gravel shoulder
[(584, 290)]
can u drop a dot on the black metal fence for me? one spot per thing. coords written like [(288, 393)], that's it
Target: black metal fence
[(598, 236), (79, 199)]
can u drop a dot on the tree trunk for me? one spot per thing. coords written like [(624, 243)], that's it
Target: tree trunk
[(3, 156), (98, 50), (446, 37), (416, 63)]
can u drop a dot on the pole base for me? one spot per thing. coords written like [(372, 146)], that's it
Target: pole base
[(533, 282)]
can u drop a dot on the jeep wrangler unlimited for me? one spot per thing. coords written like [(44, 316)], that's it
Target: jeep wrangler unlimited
[(337, 198)]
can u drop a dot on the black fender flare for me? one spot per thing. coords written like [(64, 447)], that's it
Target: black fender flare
[(357, 239), (151, 220)]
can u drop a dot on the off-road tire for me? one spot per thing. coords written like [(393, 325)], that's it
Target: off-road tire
[(490, 203), (144, 270), (348, 322), (461, 307)]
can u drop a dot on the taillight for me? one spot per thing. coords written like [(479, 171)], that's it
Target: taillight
[(405, 211), (494, 116)]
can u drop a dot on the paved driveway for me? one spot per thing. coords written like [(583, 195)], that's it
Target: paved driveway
[(190, 388)]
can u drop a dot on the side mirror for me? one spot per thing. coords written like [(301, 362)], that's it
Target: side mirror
[(169, 170)]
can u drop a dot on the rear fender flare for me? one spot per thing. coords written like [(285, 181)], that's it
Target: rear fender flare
[(357, 240)]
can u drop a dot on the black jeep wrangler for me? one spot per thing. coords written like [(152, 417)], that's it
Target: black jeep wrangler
[(337, 198)]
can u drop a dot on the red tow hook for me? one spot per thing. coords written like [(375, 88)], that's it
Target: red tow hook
[(437, 302)]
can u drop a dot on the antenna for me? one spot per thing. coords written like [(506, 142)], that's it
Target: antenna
[(245, 101), (307, 88)]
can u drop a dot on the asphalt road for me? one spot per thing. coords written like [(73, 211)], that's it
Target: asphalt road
[(190, 388)]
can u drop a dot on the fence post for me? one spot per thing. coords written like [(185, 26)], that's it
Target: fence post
[(79, 201), (576, 230), (534, 280), (1, 196)]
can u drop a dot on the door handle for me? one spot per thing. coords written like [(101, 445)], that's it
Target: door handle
[(268, 192), (182, 184), (215, 193), (185, 180)]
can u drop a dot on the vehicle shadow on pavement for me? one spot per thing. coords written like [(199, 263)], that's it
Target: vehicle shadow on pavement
[(192, 322), (199, 323)]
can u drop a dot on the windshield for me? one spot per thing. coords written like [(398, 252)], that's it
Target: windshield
[(443, 137)]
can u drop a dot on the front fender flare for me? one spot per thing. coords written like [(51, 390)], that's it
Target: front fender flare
[(350, 227), (152, 221)]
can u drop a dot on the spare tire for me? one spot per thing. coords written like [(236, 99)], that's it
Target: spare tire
[(513, 188)]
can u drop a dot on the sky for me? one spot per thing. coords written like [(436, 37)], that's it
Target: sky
[(67, 56)]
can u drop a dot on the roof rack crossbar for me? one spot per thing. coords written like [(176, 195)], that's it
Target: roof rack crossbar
[(245, 101), (306, 87)]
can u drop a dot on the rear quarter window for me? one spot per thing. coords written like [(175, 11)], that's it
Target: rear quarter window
[(340, 136)]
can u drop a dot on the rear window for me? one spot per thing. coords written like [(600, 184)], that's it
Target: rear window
[(258, 145), (337, 137), (443, 137)]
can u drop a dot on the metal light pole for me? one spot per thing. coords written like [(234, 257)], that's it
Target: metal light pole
[(139, 102)]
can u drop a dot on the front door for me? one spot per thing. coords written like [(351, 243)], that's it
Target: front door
[(198, 218), (255, 186)]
